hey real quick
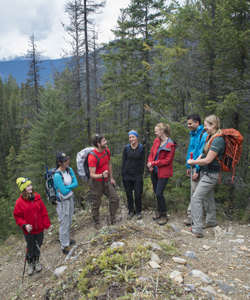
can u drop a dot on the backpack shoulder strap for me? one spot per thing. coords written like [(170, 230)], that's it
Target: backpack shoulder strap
[(127, 149), (59, 172), (210, 141), (140, 148), (203, 131), (95, 155)]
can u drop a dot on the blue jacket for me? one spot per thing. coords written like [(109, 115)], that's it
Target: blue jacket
[(60, 185), (196, 144)]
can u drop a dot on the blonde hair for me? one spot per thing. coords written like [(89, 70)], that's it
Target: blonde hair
[(165, 128), (212, 120)]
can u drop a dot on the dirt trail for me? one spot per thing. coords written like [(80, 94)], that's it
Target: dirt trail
[(225, 258)]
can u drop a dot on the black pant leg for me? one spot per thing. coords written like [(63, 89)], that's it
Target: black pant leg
[(161, 183), (128, 186), (39, 240), (138, 189), (30, 240), (154, 179)]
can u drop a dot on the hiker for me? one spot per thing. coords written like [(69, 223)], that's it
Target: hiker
[(65, 181), (133, 159), (210, 168), (31, 215), (160, 164), (101, 180), (197, 138)]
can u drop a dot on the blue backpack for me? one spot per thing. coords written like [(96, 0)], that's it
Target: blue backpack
[(50, 186)]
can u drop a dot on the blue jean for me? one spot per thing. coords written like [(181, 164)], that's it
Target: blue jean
[(158, 187)]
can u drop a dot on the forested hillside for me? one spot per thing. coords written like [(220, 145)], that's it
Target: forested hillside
[(165, 63)]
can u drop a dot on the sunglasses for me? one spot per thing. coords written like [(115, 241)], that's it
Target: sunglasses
[(26, 179)]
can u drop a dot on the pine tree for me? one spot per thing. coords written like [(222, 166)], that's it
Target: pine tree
[(34, 67)]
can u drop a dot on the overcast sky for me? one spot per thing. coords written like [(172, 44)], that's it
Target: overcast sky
[(20, 18)]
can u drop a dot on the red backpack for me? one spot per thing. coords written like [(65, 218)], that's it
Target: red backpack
[(233, 150)]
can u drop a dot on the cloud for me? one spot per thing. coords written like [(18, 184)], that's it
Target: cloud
[(19, 19)]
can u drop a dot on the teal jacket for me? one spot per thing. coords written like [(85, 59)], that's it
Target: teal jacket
[(197, 140), (60, 185)]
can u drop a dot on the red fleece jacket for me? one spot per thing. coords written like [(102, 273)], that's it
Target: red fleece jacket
[(33, 213), (164, 163)]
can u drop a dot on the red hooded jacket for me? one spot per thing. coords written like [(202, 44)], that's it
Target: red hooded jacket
[(164, 163), (33, 213)]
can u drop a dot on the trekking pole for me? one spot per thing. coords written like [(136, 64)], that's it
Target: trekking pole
[(25, 263), (47, 266), (191, 184), (25, 259)]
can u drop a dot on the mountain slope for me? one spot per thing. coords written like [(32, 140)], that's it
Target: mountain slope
[(18, 69)]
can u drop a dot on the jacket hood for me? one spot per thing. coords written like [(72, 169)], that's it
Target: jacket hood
[(199, 130), (170, 142)]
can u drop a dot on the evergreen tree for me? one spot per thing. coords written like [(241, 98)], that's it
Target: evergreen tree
[(34, 66)]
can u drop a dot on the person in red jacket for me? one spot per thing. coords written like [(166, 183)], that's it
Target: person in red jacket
[(160, 164), (31, 215)]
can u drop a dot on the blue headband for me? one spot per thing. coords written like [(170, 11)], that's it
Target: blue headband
[(133, 132)]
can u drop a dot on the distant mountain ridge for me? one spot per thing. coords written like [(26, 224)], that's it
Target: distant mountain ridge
[(17, 68)]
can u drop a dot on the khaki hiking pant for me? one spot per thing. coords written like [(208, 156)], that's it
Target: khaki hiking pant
[(194, 186), (97, 188), (204, 193)]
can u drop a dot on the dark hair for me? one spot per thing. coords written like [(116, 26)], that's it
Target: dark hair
[(58, 165), (96, 138), (195, 118)]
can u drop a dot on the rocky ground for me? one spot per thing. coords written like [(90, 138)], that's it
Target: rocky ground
[(214, 267)]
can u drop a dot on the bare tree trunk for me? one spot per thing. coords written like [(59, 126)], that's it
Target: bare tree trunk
[(87, 70)]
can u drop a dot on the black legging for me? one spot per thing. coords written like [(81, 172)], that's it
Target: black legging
[(133, 182), (32, 251), (159, 186)]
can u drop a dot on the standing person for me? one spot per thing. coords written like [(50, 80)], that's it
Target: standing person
[(31, 215), (210, 168), (65, 181), (100, 169), (197, 138), (160, 164), (133, 159)]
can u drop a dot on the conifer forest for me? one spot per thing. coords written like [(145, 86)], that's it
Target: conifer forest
[(166, 62)]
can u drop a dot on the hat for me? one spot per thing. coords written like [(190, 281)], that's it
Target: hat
[(22, 183), (62, 157)]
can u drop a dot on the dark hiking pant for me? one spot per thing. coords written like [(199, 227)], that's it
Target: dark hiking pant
[(32, 251), (158, 187), (133, 183), (97, 188)]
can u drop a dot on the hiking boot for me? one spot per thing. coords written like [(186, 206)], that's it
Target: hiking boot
[(130, 215), (71, 242), (98, 226), (163, 219), (157, 215), (31, 269), (198, 235), (188, 221), (38, 266), (207, 225), (66, 250), (139, 215)]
